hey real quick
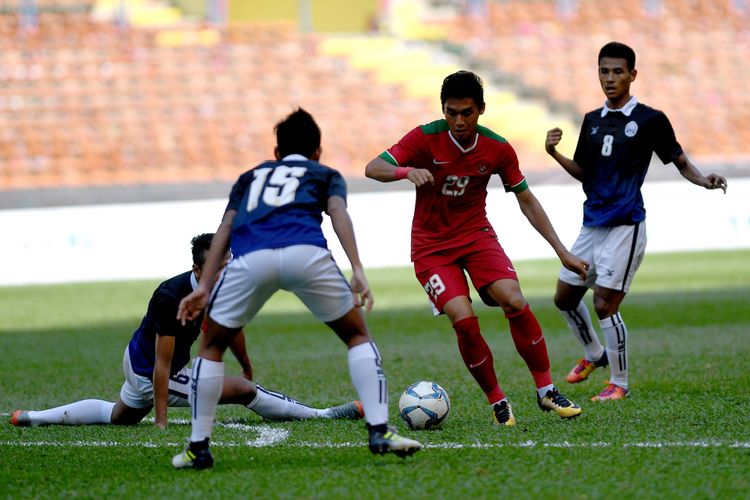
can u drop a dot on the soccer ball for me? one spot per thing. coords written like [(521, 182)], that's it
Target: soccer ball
[(424, 405)]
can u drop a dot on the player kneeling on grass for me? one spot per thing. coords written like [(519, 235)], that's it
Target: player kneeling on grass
[(273, 221), (156, 374)]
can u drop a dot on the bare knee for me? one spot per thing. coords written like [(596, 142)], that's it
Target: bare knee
[(567, 296), (238, 390), (603, 307), (562, 302), (607, 302), (216, 340), (123, 414), (507, 294), (513, 304), (351, 328)]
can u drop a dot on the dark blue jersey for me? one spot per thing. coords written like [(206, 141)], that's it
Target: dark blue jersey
[(614, 151), (161, 319), (281, 203)]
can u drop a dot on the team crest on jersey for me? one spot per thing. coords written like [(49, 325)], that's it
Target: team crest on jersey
[(631, 129), (482, 169)]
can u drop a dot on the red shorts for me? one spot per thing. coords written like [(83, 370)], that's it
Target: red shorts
[(442, 273)]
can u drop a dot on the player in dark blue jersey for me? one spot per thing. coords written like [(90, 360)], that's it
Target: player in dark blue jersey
[(156, 373), (273, 222), (615, 146)]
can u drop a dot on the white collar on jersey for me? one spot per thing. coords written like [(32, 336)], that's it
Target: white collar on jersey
[(193, 281), (625, 110), (476, 139), (294, 156)]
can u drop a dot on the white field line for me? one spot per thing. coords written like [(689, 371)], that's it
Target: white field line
[(451, 446), (269, 436)]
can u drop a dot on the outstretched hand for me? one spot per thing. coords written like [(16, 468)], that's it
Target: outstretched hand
[(576, 264), (192, 305), (361, 290)]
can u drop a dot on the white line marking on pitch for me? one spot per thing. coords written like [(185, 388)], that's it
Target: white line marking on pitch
[(272, 440), (267, 436), (534, 444), (270, 436)]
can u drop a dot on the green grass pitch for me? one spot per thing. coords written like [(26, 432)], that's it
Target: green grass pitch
[(683, 433)]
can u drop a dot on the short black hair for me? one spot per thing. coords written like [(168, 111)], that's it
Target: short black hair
[(297, 133), (460, 85), (200, 245), (619, 51)]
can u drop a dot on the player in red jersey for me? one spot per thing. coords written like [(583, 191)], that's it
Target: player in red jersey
[(450, 162)]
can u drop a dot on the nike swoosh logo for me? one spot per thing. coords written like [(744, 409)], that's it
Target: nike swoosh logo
[(434, 160), (535, 342), (474, 365), (511, 269)]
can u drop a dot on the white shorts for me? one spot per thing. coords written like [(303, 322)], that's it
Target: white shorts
[(138, 391), (307, 271), (614, 254)]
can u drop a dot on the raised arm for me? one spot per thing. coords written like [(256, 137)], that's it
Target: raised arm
[(342, 225), (691, 173), (162, 367), (192, 305), (534, 212), (554, 136)]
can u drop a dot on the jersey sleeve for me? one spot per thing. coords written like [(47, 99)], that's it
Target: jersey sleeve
[(238, 191), (337, 185), (407, 151), (162, 309), (666, 146), (581, 151), (509, 170)]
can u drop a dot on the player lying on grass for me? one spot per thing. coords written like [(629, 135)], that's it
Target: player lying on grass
[(156, 373)]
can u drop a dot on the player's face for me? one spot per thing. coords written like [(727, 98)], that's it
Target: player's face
[(615, 79), (199, 270), (462, 116)]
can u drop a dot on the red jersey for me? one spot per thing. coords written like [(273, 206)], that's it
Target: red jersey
[(451, 213)]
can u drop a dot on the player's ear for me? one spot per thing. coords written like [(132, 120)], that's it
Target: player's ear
[(197, 272), (633, 74), (276, 153), (481, 108), (316, 154)]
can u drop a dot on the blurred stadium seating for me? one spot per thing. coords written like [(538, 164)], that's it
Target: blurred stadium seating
[(88, 98), (688, 55), (87, 103)]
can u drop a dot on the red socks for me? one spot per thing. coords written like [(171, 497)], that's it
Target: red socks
[(478, 357), (529, 340)]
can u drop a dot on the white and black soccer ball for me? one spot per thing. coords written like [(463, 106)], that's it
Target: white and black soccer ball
[(424, 405)]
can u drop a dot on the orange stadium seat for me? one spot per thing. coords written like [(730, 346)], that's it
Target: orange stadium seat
[(115, 106), (687, 53), (95, 104)]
